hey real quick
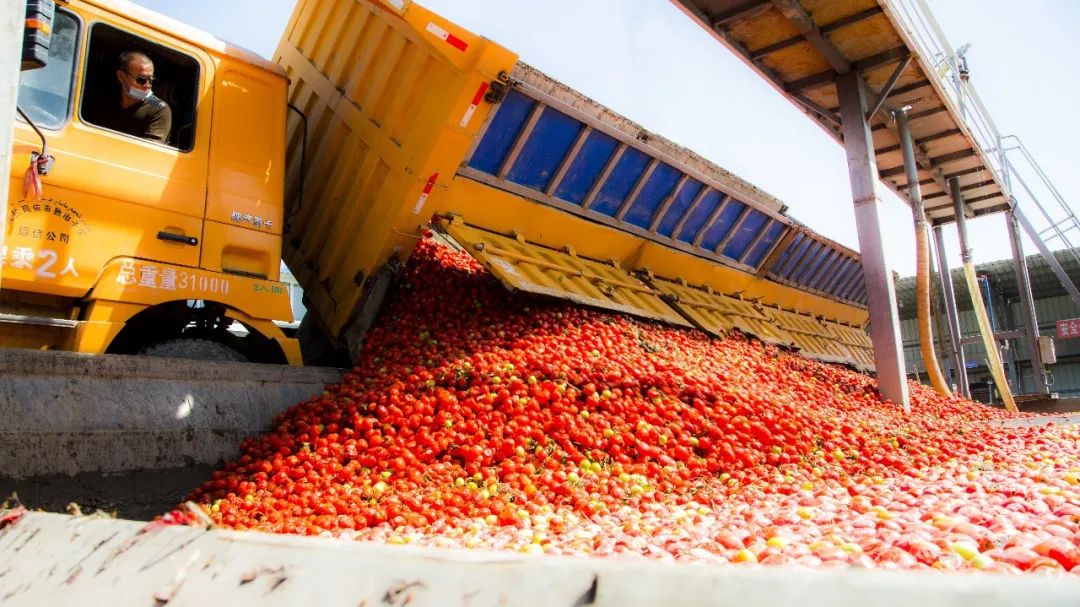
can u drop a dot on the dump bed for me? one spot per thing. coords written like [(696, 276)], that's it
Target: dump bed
[(402, 119)]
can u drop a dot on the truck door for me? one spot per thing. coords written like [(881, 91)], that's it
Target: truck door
[(244, 209), (112, 193)]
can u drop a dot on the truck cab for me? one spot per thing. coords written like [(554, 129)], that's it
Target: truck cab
[(135, 245)]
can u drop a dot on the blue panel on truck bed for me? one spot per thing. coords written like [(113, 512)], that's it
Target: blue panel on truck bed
[(810, 265), (547, 145), (683, 199), (652, 195), (822, 275), (699, 215), (817, 266), (539, 147), (798, 245), (748, 231), (854, 286), (621, 182), (719, 229), (500, 136), (586, 167), (762, 248), (838, 277)]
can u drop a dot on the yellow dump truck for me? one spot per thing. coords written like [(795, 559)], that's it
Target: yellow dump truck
[(377, 120), (137, 245)]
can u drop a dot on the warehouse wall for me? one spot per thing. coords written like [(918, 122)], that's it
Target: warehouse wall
[(1048, 311)]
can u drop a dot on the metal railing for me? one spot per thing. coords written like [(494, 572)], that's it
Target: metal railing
[(1058, 227), (1009, 158), (950, 68)]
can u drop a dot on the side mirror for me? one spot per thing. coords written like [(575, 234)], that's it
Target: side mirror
[(37, 33)]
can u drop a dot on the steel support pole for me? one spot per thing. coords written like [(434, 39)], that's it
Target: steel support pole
[(12, 16), (945, 361), (880, 291), (911, 169), (949, 295), (1027, 304), (1000, 306), (961, 220)]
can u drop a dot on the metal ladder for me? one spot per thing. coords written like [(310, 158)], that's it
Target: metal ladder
[(1059, 217)]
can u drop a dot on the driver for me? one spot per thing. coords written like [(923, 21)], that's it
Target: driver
[(137, 111)]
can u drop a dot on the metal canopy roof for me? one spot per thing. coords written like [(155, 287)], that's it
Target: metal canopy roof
[(800, 46)]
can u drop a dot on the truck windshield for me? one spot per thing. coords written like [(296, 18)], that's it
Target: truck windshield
[(45, 93)]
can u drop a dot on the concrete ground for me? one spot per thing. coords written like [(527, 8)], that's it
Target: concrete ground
[(1043, 420), (1060, 405)]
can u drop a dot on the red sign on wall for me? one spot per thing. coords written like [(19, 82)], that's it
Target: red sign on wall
[(1068, 328)]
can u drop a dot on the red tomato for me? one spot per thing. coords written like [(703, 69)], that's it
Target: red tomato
[(478, 418)]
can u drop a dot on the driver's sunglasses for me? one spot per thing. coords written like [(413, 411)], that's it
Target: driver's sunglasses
[(142, 80)]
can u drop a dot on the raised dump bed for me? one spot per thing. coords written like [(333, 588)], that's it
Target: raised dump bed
[(403, 117)]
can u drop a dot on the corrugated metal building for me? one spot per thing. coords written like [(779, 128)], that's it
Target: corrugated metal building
[(998, 281)]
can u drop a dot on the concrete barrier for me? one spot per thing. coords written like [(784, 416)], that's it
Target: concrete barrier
[(66, 413), (49, 559)]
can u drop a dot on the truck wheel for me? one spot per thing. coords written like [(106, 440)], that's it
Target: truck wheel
[(194, 349), (314, 346)]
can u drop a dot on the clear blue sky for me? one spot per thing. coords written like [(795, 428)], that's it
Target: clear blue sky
[(646, 60)]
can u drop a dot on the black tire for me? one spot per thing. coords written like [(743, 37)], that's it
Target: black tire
[(315, 348), (194, 349)]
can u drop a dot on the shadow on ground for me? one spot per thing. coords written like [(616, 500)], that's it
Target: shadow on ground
[(138, 496)]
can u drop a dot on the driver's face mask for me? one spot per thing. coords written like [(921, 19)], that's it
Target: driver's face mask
[(139, 94)]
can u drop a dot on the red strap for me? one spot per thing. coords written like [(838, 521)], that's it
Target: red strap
[(32, 180)]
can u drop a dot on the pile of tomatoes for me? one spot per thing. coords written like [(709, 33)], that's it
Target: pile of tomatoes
[(478, 418)]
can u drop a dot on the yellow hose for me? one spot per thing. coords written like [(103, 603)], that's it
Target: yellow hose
[(993, 359), (922, 291)]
